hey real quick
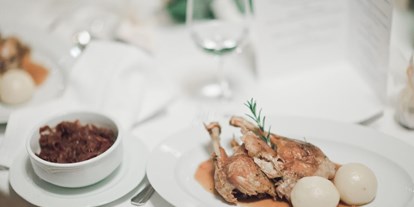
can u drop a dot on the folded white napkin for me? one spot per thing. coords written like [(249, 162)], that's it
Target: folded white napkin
[(119, 80)]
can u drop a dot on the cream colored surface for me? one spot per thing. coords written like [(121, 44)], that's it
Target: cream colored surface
[(357, 184), (16, 87), (314, 191)]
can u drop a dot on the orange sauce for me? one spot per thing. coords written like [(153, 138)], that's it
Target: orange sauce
[(205, 176), (38, 72)]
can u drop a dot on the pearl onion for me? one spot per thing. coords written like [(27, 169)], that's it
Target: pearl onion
[(314, 191), (356, 184), (16, 86)]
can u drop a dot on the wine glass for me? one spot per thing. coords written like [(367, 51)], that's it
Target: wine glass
[(218, 27)]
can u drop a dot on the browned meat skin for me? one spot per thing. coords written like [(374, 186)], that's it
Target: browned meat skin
[(263, 155), (237, 172), (300, 159), (12, 52), (290, 160)]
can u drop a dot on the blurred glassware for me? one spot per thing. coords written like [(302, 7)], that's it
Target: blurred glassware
[(406, 7), (405, 104), (83, 20), (81, 40), (177, 9), (411, 9), (218, 27)]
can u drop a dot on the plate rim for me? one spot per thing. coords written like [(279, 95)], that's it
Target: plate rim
[(136, 152), (305, 123)]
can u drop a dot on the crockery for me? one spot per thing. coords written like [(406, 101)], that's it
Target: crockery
[(123, 180), (83, 173)]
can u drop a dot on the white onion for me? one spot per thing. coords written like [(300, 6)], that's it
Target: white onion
[(314, 191), (16, 86), (356, 184)]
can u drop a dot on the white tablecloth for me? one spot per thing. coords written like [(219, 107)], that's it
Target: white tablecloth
[(169, 45)]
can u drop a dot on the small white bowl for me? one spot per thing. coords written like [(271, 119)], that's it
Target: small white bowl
[(82, 173)]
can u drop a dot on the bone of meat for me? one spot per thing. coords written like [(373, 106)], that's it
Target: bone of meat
[(290, 159), (237, 173)]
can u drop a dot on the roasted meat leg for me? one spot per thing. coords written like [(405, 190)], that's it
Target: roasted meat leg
[(287, 161), (236, 174)]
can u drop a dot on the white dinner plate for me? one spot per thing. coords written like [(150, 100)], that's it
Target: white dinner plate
[(124, 179), (46, 50), (173, 163)]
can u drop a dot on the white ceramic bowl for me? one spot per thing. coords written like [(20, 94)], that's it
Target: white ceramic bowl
[(82, 173)]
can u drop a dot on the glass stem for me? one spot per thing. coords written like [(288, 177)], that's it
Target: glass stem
[(222, 80)]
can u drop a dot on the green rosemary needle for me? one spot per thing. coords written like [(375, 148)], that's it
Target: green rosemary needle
[(260, 121)]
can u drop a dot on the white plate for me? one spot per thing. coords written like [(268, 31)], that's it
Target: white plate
[(48, 51), (124, 179), (388, 157)]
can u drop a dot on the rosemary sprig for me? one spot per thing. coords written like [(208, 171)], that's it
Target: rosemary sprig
[(257, 117)]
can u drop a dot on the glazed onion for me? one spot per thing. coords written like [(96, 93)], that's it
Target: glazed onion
[(314, 191), (356, 183)]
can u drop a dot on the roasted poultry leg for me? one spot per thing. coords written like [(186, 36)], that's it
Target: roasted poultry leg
[(236, 174)]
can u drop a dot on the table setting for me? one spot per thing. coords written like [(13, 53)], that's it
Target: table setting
[(165, 75)]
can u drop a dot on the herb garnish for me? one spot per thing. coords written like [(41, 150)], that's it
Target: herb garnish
[(257, 117)]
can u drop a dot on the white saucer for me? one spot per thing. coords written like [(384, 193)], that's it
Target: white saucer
[(124, 179)]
